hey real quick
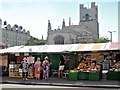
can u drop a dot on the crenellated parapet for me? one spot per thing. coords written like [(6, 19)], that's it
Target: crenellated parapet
[(15, 28), (88, 14)]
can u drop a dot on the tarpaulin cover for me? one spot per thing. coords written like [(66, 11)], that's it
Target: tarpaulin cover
[(62, 48)]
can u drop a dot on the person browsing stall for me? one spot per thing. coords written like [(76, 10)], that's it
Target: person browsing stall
[(61, 66), (37, 67), (25, 67), (45, 65)]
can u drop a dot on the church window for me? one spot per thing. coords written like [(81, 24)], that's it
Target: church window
[(59, 40), (87, 17)]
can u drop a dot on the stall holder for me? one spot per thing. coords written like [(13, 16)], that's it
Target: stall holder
[(113, 75)]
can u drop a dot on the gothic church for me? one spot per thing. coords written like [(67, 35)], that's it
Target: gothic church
[(86, 32)]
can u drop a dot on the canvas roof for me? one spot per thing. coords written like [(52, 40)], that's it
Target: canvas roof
[(62, 48)]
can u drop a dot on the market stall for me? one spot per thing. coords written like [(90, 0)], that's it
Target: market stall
[(15, 71), (114, 72), (114, 62), (14, 66), (95, 55)]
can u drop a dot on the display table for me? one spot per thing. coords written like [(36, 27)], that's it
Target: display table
[(15, 71), (73, 76), (94, 76), (83, 75), (113, 75)]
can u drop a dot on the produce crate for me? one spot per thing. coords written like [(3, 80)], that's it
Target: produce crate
[(83, 75), (113, 75), (73, 76), (94, 76)]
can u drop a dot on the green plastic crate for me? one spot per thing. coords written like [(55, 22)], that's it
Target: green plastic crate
[(94, 76), (73, 76), (113, 75), (83, 75)]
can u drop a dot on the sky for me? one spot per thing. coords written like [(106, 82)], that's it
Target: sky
[(33, 15)]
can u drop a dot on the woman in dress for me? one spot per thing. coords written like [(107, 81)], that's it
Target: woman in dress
[(37, 67), (45, 68)]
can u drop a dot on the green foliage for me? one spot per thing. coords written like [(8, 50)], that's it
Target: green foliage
[(102, 40), (35, 41)]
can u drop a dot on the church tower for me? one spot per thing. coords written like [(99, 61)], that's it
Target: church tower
[(89, 19), (48, 32), (63, 24), (49, 27)]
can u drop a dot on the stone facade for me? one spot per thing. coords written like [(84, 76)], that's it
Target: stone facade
[(13, 36), (86, 31)]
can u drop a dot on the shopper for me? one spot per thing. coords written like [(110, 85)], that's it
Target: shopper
[(45, 65), (37, 67), (61, 66), (25, 67)]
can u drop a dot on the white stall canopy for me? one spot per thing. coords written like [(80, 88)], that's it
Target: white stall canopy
[(62, 48)]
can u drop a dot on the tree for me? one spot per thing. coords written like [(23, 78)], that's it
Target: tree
[(35, 41), (102, 40)]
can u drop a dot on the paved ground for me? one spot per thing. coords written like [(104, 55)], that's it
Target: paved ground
[(44, 87), (63, 82)]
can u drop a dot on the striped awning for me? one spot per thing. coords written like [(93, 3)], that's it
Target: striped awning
[(113, 46), (89, 47), (62, 48)]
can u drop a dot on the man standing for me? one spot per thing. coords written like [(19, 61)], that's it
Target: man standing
[(61, 66)]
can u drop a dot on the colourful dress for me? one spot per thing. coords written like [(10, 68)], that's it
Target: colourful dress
[(37, 66), (45, 69)]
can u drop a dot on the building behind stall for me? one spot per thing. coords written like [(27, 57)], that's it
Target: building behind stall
[(86, 31), (13, 35)]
